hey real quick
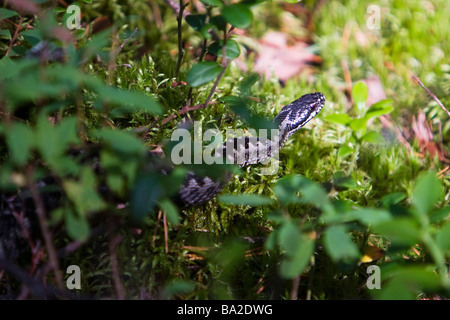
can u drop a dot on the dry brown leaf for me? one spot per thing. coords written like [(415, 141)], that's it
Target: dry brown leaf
[(278, 59), (424, 136)]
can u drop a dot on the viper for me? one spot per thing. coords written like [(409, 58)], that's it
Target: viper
[(195, 190)]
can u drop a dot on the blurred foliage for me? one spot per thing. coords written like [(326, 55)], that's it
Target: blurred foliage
[(85, 106)]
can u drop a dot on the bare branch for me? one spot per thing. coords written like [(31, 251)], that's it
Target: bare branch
[(431, 94), (42, 217)]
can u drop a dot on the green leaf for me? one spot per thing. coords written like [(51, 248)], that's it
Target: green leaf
[(5, 34), (196, 21), (232, 50), (170, 210), (52, 142), (426, 193), (77, 226), (299, 249), (345, 151), (33, 37), (392, 198), (340, 118), (358, 124), (214, 3), (238, 15), (144, 196), (245, 199), (400, 231), (339, 244), (5, 13), (440, 215), (83, 193), (219, 21), (443, 238), (360, 92), (289, 237), (380, 108), (203, 72), (369, 216), (406, 282), (373, 137), (121, 141), (128, 100), (178, 287), (20, 139)]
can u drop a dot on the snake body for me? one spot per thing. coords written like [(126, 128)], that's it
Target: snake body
[(17, 212), (196, 190)]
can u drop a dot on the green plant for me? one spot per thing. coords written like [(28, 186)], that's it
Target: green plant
[(359, 123)]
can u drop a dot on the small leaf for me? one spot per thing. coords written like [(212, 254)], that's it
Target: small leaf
[(178, 287), (5, 13), (299, 249), (440, 215), (443, 238), (358, 124), (289, 237), (245, 199), (144, 195), (84, 193), (77, 227), (203, 72), (339, 244), (232, 50), (170, 210), (392, 198), (401, 231), (214, 3), (369, 216), (196, 21), (20, 140), (345, 151), (238, 15), (121, 141), (129, 100), (5, 34), (360, 92), (340, 118), (380, 108), (219, 21), (373, 137), (426, 193)]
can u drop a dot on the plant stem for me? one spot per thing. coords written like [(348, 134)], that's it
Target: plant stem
[(180, 43), (42, 217)]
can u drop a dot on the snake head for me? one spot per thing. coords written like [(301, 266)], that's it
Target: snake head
[(296, 114)]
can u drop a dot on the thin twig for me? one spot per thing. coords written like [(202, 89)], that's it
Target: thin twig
[(125, 42), (38, 289), (431, 94), (42, 217), (179, 112), (294, 290), (113, 243), (16, 34), (180, 42), (176, 8), (224, 68), (156, 227), (166, 233)]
